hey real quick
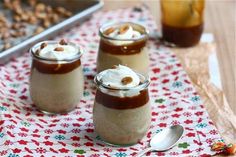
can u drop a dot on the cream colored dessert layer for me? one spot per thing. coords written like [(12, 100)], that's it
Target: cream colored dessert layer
[(121, 127), (62, 93), (139, 62)]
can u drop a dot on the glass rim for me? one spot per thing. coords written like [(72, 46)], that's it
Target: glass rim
[(144, 84), (107, 25), (34, 48)]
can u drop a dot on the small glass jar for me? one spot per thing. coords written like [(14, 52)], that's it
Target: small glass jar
[(130, 52), (122, 116), (56, 86), (182, 21)]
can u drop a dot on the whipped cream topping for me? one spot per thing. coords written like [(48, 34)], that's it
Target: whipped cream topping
[(58, 51), (127, 33), (123, 32), (119, 77)]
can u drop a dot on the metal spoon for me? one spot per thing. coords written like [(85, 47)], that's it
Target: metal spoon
[(164, 140)]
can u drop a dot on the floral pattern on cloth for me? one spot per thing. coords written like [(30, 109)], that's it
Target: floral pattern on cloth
[(26, 132)]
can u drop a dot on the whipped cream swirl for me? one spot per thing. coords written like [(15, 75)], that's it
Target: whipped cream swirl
[(122, 33), (65, 51), (120, 77), (128, 33), (116, 77)]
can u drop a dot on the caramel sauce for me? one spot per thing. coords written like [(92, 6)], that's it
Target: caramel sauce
[(55, 68), (122, 103), (184, 36), (129, 49)]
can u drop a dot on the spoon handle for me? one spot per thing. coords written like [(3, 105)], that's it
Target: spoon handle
[(144, 152)]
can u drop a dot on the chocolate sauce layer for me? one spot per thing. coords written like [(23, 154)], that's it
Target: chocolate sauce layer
[(122, 103), (128, 49), (55, 68)]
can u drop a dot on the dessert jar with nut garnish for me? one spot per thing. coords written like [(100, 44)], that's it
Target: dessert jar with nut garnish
[(122, 112), (56, 81), (123, 43)]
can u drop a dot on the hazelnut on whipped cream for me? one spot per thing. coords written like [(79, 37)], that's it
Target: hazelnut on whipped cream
[(125, 31), (58, 51), (113, 77)]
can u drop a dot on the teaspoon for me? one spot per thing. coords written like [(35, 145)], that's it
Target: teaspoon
[(164, 140)]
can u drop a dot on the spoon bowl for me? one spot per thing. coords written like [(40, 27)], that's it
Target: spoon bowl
[(164, 140)]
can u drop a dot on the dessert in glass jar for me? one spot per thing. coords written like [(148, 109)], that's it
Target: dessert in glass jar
[(122, 112), (56, 81), (123, 43)]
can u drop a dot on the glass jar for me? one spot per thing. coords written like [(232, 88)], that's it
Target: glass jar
[(130, 52), (122, 116), (56, 86), (182, 21)]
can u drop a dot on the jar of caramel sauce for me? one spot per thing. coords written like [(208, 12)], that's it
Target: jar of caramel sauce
[(182, 21)]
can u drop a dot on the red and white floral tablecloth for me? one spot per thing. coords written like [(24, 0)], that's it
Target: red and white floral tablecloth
[(24, 131)]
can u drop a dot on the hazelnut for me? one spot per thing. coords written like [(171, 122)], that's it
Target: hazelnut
[(7, 4), (109, 31), (18, 34), (61, 10), (32, 20), (59, 49), (40, 7), (43, 45), (4, 25), (39, 30), (114, 67), (126, 80), (18, 10), (24, 17), (123, 29), (68, 13), (15, 34), (55, 18), (49, 9), (4, 30), (62, 42), (17, 18), (41, 15), (3, 18), (46, 23), (29, 13), (16, 26), (5, 35), (7, 46)]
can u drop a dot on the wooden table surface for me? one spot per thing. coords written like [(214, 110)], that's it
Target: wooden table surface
[(220, 19)]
